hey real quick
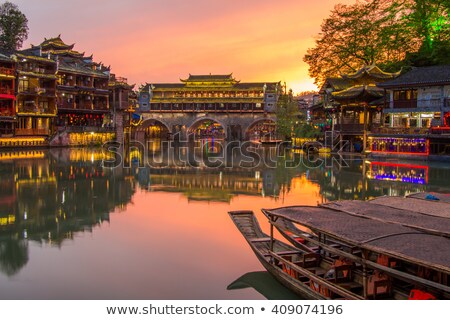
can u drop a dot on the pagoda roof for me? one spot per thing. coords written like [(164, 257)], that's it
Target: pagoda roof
[(55, 43), (4, 57), (370, 92), (35, 58), (337, 84), (69, 53), (36, 75), (119, 82), (209, 78), (423, 76), (371, 71), (80, 68)]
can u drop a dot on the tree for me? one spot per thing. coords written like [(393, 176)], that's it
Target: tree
[(429, 20), (13, 27), (389, 33), (365, 33), (287, 111)]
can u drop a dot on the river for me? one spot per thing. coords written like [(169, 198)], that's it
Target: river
[(152, 228)]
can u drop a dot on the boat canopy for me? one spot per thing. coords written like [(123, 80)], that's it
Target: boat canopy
[(432, 208), (428, 250), (379, 210), (431, 196)]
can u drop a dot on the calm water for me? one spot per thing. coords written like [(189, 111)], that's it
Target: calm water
[(71, 229)]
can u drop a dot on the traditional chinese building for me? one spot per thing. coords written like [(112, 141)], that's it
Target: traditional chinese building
[(354, 103), (211, 94), (36, 95), (220, 93), (122, 99), (416, 114), (82, 92), (7, 96)]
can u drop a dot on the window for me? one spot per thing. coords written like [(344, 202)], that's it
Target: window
[(24, 85), (426, 123), (405, 94)]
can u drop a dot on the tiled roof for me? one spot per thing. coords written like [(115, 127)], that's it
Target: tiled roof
[(56, 43), (210, 77), (436, 75), (80, 68), (5, 57), (359, 92), (337, 84), (36, 58), (37, 75)]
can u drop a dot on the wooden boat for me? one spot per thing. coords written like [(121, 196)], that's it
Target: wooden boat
[(297, 270), (432, 222), (408, 260)]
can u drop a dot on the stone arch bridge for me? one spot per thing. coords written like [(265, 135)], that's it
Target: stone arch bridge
[(236, 126)]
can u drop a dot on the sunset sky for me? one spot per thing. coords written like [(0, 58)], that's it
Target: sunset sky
[(165, 40)]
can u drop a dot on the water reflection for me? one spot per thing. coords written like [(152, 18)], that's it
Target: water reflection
[(50, 198), (264, 283), (47, 197)]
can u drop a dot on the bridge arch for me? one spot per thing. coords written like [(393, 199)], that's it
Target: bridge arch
[(260, 127), (195, 125), (153, 128)]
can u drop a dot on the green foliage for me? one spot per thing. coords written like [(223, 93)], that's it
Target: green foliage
[(13, 27), (287, 112), (365, 33), (305, 130), (291, 122), (391, 34)]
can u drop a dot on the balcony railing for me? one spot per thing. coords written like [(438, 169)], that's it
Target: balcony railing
[(66, 106), (46, 91), (7, 71), (36, 70), (395, 131), (32, 132), (86, 129), (213, 107), (83, 106), (6, 112), (7, 91), (36, 110)]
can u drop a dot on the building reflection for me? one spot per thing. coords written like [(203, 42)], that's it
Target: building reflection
[(363, 179), (51, 197)]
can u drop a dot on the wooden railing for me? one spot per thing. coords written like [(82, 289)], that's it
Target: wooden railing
[(36, 110), (394, 131), (213, 107), (86, 129), (32, 132), (7, 91), (6, 111), (7, 71)]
